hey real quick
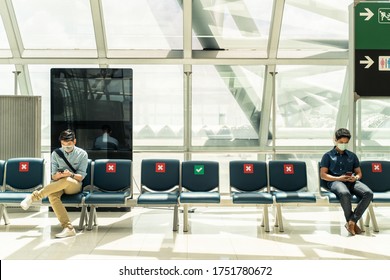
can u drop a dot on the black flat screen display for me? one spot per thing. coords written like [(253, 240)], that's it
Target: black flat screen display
[(97, 104)]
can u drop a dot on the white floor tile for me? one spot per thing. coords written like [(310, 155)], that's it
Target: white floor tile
[(214, 234)]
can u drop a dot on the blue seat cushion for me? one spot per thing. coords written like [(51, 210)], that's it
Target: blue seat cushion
[(200, 197), (109, 198), (294, 197), (76, 198), (158, 198), (12, 197), (252, 198), (332, 198), (381, 197)]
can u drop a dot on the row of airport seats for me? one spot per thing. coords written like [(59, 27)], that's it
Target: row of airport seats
[(171, 183)]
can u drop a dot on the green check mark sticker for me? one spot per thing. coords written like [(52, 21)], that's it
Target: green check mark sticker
[(199, 169)]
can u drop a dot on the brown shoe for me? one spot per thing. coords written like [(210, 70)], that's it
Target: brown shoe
[(350, 226), (358, 230)]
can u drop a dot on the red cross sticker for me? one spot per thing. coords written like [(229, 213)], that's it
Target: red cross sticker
[(376, 167), (24, 166), (160, 167), (288, 169), (248, 168), (111, 167)]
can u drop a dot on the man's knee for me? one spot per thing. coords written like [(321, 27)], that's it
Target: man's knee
[(55, 197), (344, 194), (369, 194)]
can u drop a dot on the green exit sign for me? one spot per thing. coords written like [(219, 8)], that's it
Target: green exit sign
[(372, 25), (372, 48)]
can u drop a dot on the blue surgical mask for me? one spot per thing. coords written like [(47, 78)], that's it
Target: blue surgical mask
[(68, 149), (342, 146)]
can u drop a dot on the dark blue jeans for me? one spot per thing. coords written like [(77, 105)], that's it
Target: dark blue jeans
[(344, 193)]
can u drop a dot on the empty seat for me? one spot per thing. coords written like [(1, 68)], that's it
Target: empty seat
[(22, 177), (288, 180), (111, 186), (160, 185), (249, 185), (200, 185)]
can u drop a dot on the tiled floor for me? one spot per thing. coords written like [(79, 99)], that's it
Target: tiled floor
[(215, 233)]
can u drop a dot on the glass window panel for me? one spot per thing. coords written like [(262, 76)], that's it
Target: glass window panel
[(307, 99), (158, 105), (7, 80), (375, 156), (314, 27), (232, 24), (225, 106), (374, 119), (55, 24), (4, 46), (152, 24)]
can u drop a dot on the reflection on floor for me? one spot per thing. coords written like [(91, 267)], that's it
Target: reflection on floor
[(215, 233)]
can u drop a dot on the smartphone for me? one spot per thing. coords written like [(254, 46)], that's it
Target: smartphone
[(348, 173), (60, 170)]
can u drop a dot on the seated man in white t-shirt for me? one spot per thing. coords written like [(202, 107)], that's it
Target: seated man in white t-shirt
[(106, 141)]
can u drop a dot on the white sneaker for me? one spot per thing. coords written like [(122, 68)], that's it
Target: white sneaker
[(66, 232), (26, 203)]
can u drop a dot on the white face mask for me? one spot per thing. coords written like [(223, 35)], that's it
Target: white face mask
[(68, 149), (342, 146)]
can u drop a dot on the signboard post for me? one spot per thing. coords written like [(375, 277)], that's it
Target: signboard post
[(372, 49)]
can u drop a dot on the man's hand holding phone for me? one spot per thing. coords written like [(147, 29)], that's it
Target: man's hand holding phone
[(348, 177)]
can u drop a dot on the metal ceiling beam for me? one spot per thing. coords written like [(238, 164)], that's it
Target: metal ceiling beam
[(200, 60), (270, 72), (11, 28), (98, 26)]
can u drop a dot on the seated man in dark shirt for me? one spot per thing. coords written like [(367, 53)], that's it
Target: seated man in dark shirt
[(341, 169)]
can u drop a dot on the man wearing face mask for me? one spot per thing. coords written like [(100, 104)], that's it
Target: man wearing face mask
[(341, 169), (63, 180)]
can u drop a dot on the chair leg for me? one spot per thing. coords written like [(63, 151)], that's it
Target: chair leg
[(373, 218), (185, 218), (86, 217), (361, 224), (265, 218), (4, 214), (91, 217), (175, 217), (83, 214), (367, 220), (276, 223), (280, 219), (95, 223)]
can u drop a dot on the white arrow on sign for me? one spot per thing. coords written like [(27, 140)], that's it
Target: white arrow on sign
[(368, 14), (369, 61)]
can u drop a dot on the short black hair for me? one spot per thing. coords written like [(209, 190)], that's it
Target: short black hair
[(341, 133), (67, 135), (106, 127)]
